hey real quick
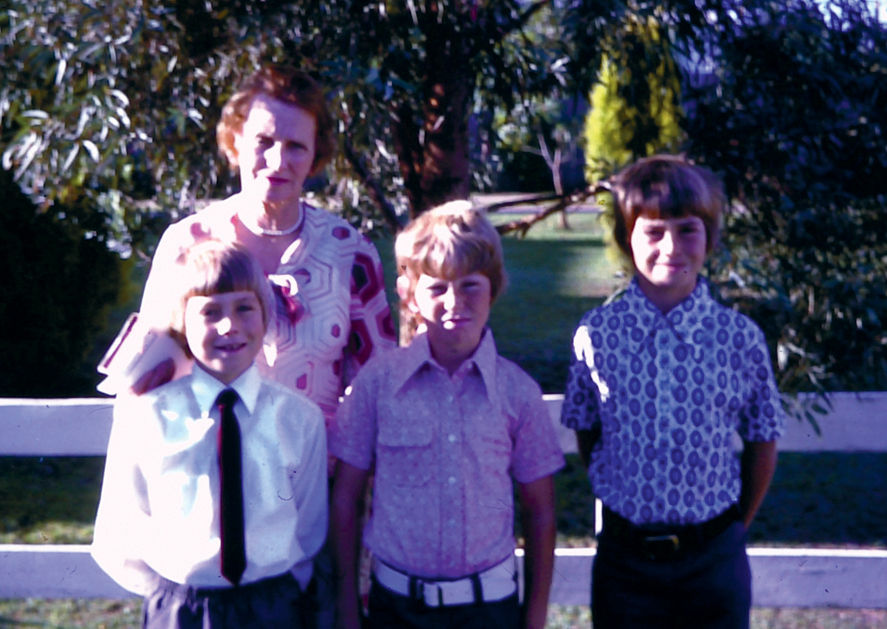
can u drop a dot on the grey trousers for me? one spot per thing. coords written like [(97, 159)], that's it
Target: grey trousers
[(272, 602)]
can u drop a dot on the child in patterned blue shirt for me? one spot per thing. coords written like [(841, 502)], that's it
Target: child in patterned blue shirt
[(659, 382)]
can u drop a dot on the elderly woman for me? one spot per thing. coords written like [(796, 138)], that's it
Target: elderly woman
[(332, 313)]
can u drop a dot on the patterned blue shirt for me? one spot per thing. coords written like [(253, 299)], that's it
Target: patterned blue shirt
[(668, 393)]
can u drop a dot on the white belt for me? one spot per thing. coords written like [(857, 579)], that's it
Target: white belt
[(493, 584)]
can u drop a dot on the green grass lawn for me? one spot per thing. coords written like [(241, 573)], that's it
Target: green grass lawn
[(825, 499), (553, 282), (126, 614)]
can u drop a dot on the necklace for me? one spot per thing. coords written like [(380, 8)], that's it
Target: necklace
[(253, 225)]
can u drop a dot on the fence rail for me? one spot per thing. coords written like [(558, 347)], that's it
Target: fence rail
[(782, 577)]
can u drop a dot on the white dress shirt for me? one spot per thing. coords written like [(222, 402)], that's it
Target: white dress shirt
[(159, 509)]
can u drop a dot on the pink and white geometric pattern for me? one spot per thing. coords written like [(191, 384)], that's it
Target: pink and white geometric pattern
[(332, 313)]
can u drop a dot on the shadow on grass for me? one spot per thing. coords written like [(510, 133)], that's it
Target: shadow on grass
[(544, 354), (49, 500), (828, 498)]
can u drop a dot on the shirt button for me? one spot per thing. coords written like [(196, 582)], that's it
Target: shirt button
[(451, 480), (452, 438)]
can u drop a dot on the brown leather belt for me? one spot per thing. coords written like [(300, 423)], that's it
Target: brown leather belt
[(661, 542)]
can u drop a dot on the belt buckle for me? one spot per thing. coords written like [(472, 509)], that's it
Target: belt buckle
[(661, 546), (421, 591)]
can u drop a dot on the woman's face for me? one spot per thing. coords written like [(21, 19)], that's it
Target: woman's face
[(275, 151)]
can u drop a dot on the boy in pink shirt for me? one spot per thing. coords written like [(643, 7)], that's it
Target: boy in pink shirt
[(446, 425)]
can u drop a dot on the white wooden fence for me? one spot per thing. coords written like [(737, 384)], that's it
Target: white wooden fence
[(782, 577)]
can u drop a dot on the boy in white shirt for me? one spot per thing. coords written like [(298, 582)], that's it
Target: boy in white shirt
[(166, 528)]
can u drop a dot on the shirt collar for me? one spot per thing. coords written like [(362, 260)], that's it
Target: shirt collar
[(417, 356), (682, 320), (485, 358), (206, 388)]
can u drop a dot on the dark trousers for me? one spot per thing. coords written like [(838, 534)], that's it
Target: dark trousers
[(324, 587), (273, 602), (387, 610), (705, 588)]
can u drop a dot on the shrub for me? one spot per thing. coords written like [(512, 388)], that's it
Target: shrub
[(61, 280)]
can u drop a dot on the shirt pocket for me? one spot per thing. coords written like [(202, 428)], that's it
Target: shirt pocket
[(493, 444), (405, 456)]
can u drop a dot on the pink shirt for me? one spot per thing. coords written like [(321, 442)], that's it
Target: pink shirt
[(445, 451), (332, 313)]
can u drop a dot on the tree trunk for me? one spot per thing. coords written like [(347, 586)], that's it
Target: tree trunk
[(433, 147)]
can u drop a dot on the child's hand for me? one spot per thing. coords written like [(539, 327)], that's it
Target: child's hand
[(154, 377)]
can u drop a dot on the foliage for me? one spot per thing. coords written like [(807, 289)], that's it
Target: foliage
[(120, 100), (60, 279), (98, 102), (430, 65), (539, 138), (635, 105), (794, 121), (112, 107), (539, 145)]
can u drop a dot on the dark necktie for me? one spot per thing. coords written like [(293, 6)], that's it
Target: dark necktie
[(231, 490)]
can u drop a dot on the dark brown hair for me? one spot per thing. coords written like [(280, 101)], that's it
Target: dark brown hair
[(666, 186)]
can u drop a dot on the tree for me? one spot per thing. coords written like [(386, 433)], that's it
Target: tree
[(121, 100), (543, 133), (97, 102), (59, 283), (113, 107), (784, 101), (635, 105), (795, 121)]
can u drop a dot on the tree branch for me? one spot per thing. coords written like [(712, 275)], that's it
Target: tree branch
[(532, 9), (562, 202), (377, 193)]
